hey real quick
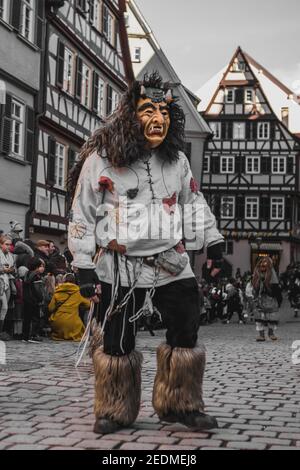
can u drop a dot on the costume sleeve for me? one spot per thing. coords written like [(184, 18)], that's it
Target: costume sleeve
[(85, 302), (200, 227), (82, 226)]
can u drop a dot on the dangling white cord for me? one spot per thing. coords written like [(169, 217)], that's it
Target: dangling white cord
[(85, 338)]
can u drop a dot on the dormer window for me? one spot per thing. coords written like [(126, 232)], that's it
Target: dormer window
[(230, 95), (238, 65), (249, 96)]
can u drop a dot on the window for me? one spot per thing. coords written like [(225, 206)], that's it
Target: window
[(17, 129), (112, 100), (85, 86), (216, 129), (4, 10), (227, 207), (263, 131), (206, 164), (108, 24), (68, 70), (229, 95), (27, 17), (137, 54), (227, 164), (239, 130), (277, 208), (252, 165), (59, 174), (95, 9), (251, 208), (249, 96), (238, 65), (99, 95), (279, 165)]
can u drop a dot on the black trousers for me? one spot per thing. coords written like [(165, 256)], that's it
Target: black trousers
[(31, 323), (178, 303)]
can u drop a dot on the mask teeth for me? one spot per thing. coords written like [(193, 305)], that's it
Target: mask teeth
[(143, 91)]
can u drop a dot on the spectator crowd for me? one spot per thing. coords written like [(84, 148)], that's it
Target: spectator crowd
[(40, 296)]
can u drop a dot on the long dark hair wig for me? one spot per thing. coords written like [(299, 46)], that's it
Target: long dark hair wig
[(121, 139)]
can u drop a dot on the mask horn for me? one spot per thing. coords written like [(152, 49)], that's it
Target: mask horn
[(168, 96), (143, 90)]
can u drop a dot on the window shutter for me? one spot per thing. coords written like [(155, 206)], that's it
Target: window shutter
[(60, 64), (229, 130), (290, 165), (6, 127), (240, 208), (288, 208), (30, 123), (71, 158), (16, 14), (95, 91), (109, 100), (79, 67), (239, 95), (237, 164), (223, 130), (248, 130), (40, 24), (116, 31), (215, 165), (265, 165), (265, 207), (51, 161), (254, 130), (272, 130)]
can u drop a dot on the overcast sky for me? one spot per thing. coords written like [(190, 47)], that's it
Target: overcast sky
[(199, 37)]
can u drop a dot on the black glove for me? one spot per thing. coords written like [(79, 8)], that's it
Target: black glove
[(88, 280), (215, 259)]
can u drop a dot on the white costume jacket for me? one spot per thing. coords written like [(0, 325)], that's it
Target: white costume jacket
[(148, 207)]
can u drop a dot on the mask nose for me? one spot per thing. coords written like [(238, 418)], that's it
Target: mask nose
[(158, 118)]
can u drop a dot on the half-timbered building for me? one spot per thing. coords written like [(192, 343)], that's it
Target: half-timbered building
[(251, 166), (85, 68), (21, 42)]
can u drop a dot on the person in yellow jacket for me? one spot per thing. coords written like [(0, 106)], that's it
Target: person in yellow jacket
[(65, 321)]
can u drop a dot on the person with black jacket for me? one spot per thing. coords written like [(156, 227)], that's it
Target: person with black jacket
[(34, 300)]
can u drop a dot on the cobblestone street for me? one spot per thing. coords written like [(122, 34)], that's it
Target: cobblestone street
[(252, 388)]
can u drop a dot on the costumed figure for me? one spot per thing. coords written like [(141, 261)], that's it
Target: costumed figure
[(268, 298), (294, 292), (134, 195)]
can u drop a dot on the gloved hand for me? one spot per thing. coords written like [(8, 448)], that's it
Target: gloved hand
[(88, 280), (215, 259)]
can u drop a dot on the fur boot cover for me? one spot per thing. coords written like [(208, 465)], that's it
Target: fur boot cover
[(117, 386), (178, 382)]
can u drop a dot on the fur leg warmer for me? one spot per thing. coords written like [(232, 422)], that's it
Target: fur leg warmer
[(178, 382), (117, 386)]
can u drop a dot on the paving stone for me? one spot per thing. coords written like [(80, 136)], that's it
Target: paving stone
[(246, 445)]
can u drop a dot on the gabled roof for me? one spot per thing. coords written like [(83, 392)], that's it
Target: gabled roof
[(159, 61), (278, 95)]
